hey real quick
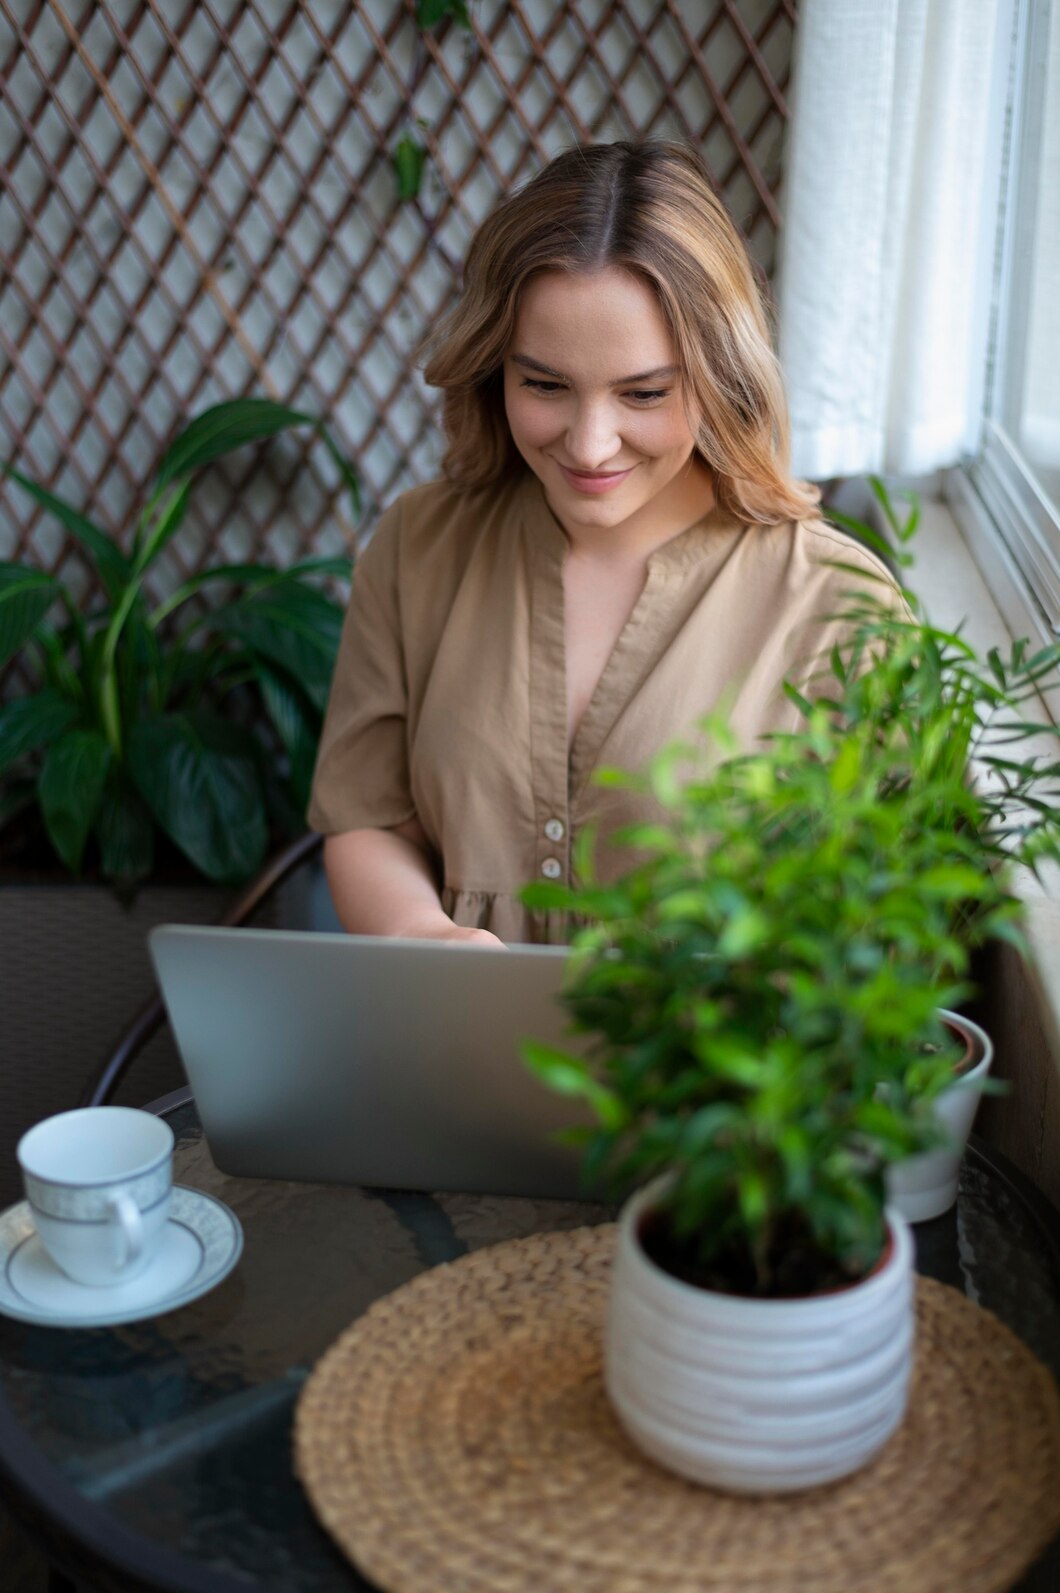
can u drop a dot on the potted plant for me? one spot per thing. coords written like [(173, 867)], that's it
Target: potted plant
[(163, 741), (765, 988), (752, 981), (135, 724), (941, 709)]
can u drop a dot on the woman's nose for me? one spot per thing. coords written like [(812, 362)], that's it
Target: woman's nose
[(591, 437)]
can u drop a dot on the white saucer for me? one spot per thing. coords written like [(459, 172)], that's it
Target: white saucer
[(201, 1243)]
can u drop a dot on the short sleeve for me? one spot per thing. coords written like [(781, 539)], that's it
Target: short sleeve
[(851, 577), (362, 777)]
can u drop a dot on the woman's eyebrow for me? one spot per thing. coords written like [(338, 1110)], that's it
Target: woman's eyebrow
[(660, 373)]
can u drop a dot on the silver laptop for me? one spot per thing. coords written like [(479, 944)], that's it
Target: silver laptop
[(358, 1059)]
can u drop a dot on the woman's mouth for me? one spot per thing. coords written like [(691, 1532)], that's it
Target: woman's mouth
[(593, 481)]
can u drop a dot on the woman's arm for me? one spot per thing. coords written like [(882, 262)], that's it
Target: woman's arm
[(382, 882)]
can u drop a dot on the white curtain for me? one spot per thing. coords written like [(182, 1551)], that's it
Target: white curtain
[(1039, 410), (890, 210)]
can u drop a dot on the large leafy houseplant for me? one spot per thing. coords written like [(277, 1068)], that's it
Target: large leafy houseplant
[(152, 715)]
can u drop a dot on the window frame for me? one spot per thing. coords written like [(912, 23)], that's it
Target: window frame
[(1011, 526)]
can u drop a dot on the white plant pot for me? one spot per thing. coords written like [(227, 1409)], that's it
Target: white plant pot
[(925, 1186), (752, 1395)]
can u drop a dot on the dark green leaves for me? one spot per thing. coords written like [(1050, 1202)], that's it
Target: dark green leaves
[(109, 560), (27, 723), (226, 426), (70, 790), (289, 625), (162, 695), (25, 597), (198, 774), (125, 830), (297, 726)]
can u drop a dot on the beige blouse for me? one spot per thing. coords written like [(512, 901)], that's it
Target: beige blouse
[(449, 700)]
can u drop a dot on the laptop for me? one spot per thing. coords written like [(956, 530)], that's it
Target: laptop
[(367, 1060)]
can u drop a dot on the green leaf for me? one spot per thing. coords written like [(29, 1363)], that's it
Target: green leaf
[(198, 774), (27, 723), (125, 830), (744, 932), (618, 780), (546, 896), (409, 157), (346, 470), (570, 1075), (688, 906), (25, 597), (289, 625), (110, 561), (430, 12), (70, 789), (166, 526), (297, 725), (861, 531), (846, 767), (221, 429), (728, 1057), (883, 498), (249, 575), (753, 1196)]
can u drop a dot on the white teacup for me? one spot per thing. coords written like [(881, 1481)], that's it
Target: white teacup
[(98, 1182)]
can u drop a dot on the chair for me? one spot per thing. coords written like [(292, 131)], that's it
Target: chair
[(108, 1075)]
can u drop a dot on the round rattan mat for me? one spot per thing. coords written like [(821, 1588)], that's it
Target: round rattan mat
[(458, 1437)]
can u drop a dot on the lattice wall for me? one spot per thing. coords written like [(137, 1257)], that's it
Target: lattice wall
[(199, 201)]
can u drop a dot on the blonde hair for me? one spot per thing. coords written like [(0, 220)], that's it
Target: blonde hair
[(649, 209)]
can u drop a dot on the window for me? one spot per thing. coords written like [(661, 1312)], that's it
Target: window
[(1008, 498)]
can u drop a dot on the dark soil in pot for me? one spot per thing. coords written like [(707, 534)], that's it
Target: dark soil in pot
[(798, 1266)]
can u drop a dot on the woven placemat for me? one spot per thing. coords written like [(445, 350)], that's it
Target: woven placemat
[(458, 1439)]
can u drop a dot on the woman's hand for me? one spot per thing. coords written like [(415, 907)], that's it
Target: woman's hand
[(469, 937), (384, 882)]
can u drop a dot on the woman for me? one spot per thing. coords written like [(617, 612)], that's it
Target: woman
[(616, 545)]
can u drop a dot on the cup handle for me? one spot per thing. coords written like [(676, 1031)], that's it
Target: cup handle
[(126, 1216)]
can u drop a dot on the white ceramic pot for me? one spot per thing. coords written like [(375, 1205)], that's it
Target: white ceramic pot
[(926, 1186), (757, 1396)]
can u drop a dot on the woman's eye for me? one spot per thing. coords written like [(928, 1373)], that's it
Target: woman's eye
[(541, 387), (648, 395)]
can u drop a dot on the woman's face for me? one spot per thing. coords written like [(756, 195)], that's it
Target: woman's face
[(593, 399)]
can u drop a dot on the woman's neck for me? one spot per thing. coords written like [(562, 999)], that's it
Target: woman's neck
[(684, 500)]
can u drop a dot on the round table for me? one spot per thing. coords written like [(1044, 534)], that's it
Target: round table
[(157, 1454)]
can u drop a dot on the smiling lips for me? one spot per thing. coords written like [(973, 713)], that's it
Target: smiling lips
[(600, 481)]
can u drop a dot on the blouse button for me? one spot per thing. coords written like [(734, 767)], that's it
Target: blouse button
[(551, 868), (554, 829)]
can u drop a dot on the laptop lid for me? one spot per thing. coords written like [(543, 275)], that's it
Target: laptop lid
[(369, 1060)]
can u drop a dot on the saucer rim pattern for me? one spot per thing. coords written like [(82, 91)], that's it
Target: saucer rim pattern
[(213, 1223)]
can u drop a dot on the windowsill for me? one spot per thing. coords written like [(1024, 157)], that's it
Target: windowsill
[(1026, 1125)]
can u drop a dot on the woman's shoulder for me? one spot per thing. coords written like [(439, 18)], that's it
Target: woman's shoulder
[(444, 512), (815, 551), (829, 543), (429, 539)]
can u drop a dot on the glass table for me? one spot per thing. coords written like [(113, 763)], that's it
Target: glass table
[(158, 1454)]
